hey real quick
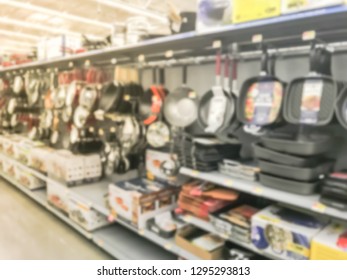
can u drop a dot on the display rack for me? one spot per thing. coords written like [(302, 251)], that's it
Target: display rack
[(287, 29), (310, 202), (112, 239)]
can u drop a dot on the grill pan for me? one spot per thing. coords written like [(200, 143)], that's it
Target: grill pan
[(310, 100), (296, 173), (298, 187), (261, 97), (314, 144), (262, 152)]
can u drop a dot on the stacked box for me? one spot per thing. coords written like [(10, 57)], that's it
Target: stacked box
[(28, 180), (138, 200), (58, 196), (86, 217), (330, 243), (285, 233), (39, 158), (92, 167)]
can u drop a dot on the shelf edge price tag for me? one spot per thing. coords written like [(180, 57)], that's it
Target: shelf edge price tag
[(257, 38), (258, 190), (100, 242), (228, 182), (168, 246), (308, 35), (318, 207), (141, 232), (169, 54), (217, 44), (195, 172)]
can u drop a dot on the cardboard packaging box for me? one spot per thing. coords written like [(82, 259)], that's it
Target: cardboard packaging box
[(9, 168), (330, 243), (39, 158), (28, 180), (62, 45), (248, 10), (200, 243), (138, 200), (58, 196), (285, 233), (24, 148), (212, 14), (86, 217), (155, 170), (42, 49), (294, 6)]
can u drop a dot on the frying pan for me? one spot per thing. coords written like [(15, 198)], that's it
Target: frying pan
[(181, 106), (33, 89), (310, 100), (88, 97), (261, 97), (341, 107), (111, 94), (18, 86), (217, 106), (80, 116), (151, 102)]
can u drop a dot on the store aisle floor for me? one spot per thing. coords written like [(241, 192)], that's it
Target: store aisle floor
[(28, 231)]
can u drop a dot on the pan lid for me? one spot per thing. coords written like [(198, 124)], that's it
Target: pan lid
[(158, 134), (80, 116)]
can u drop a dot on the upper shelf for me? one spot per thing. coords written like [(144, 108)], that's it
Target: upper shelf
[(329, 24)]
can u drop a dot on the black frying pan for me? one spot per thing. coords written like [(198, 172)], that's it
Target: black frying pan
[(111, 94), (261, 97)]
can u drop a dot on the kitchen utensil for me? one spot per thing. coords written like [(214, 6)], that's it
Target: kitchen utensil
[(292, 186), (310, 100), (217, 106), (262, 152), (180, 106), (295, 173), (310, 145), (261, 97)]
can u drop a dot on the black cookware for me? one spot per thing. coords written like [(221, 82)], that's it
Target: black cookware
[(310, 100), (261, 97)]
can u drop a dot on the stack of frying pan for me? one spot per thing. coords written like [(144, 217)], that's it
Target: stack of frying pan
[(295, 163)]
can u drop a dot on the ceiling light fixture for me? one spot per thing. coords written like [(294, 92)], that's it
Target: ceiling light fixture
[(19, 35), (25, 24), (35, 8), (133, 9)]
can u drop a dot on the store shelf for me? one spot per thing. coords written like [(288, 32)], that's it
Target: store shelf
[(209, 228), (40, 197), (310, 202), (287, 26), (127, 245), (93, 195)]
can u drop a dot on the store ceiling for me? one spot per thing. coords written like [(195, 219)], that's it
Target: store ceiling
[(23, 23)]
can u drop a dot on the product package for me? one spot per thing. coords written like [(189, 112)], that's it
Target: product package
[(212, 13), (202, 198), (293, 6), (139, 200), (200, 243), (330, 243), (62, 45), (86, 217), (248, 10), (58, 196), (285, 233), (28, 180), (234, 222)]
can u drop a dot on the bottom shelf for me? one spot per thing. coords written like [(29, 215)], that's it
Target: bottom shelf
[(209, 228), (116, 240)]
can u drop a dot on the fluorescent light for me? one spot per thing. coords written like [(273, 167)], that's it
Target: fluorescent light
[(35, 8), (30, 25), (133, 9), (19, 35)]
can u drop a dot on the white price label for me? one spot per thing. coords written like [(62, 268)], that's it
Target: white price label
[(257, 38), (318, 207), (308, 35), (217, 44)]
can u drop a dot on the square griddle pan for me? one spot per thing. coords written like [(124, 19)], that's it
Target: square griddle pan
[(264, 153), (292, 186), (296, 173), (310, 145)]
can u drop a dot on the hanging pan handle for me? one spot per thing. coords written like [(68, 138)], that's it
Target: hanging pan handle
[(218, 67), (264, 60), (272, 65), (154, 75), (227, 73), (184, 74)]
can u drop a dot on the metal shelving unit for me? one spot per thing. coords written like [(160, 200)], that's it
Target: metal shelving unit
[(209, 228), (310, 202), (112, 239), (329, 24)]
